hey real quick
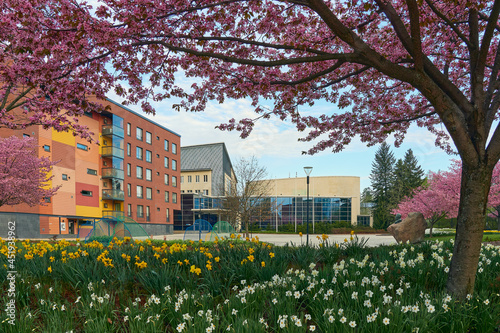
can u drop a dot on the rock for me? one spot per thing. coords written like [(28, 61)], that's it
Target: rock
[(410, 229)]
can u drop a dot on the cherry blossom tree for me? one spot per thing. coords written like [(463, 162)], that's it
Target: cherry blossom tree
[(440, 197), (384, 63), (23, 176)]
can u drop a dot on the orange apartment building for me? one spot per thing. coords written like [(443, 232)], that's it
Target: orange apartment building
[(134, 172)]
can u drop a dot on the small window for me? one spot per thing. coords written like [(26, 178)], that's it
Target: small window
[(82, 146), (168, 215), (148, 213), (129, 210), (174, 148), (149, 193), (166, 162), (197, 178), (157, 155), (92, 172), (129, 190), (174, 181), (86, 193), (140, 211), (139, 192), (148, 137), (104, 184), (174, 197), (26, 135), (105, 205), (182, 179), (46, 148), (149, 155), (157, 138), (47, 199), (138, 133), (205, 192), (149, 174), (138, 153), (64, 176), (166, 179), (129, 169), (129, 148), (138, 172), (88, 114), (167, 196), (205, 178), (190, 179), (166, 145), (174, 165), (129, 126)]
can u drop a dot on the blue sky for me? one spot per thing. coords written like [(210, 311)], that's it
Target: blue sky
[(275, 143)]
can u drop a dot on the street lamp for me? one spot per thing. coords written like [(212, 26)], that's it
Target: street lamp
[(307, 170)]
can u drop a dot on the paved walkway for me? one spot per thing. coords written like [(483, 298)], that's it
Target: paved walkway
[(282, 239)]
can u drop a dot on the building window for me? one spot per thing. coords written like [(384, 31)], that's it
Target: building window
[(174, 148), (149, 193), (165, 144), (167, 196), (129, 170), (166, 179), (88, 114), (197, 191), (190, 191), (138, 171), (82, 146), (166, 162), (190, 179), (182, 179), (205, 178), (92, 172), (129, 210), (104, 184), (168, 214), (174, 181), (129, 130), (197, 178), (64, 176), (27, 136), (129, 149), (139, 192), (129, 190), (46, 199), (105, 205), (149, 155), (174, 165), (174, 197), (149, 174), (148, 137), (148, 213), (140, 211), (205, 192), (138, 153), (157, 138), (86, 193), (138, 133), (46, 148)]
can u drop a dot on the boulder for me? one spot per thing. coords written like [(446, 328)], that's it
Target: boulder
[(410, 229)]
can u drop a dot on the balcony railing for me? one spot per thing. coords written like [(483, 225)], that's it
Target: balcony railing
[(113, 195), (113, 173), (109, 130), (110, 151), (115, 213)]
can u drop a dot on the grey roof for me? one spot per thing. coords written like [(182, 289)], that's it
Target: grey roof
[(212, 156)]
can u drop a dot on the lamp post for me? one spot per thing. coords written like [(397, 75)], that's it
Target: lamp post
[(307, 170)]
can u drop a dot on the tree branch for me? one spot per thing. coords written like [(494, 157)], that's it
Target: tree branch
[(415, 34)]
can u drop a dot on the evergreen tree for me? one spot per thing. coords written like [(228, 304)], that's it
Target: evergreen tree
[(382, 180), (415, 174), (408, 175)]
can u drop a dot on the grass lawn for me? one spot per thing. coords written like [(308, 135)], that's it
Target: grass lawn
[(242, 286)]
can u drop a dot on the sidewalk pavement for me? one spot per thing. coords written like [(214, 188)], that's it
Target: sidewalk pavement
[(294, 239)]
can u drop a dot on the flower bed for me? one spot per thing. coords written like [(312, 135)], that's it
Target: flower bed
[(237, 286)]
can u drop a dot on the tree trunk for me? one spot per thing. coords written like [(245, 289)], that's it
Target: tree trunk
[(498, 218), (475, 185)]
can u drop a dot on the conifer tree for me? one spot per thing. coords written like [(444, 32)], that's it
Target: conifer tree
[(382, 180)]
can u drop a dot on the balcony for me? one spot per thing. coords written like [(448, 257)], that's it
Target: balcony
[(110, 151), (118, 195), (108, 130), (118, 214), (113, 173)]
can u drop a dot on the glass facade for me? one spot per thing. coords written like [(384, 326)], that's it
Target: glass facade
[(283, 210)]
